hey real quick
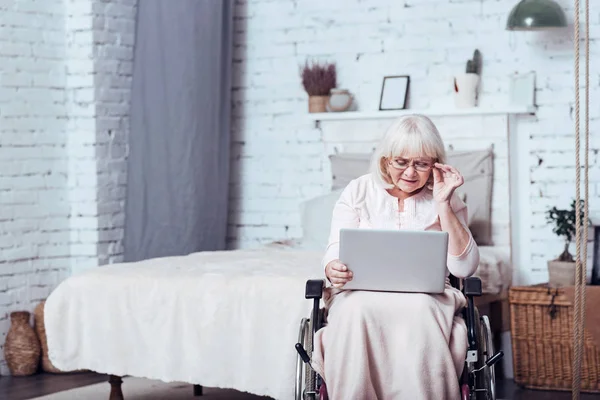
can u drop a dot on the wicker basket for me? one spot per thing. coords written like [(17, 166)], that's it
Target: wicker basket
[(542, 341)]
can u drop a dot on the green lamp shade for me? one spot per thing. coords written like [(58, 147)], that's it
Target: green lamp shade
[(531, 15)]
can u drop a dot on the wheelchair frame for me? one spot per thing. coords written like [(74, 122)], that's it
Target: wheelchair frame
[(477, 382)]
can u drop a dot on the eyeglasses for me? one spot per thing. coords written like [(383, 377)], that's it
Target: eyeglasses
[(419, 165)]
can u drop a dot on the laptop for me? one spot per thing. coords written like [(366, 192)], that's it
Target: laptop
[(395, 261)]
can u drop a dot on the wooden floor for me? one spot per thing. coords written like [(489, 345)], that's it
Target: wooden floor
[(22, 388)]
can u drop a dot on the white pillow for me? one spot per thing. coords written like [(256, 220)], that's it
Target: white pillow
[(475, 165), (316, 216)]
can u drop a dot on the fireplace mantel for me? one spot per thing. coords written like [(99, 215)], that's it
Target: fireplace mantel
[(441, 112)]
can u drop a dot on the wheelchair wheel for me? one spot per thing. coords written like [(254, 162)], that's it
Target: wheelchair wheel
[(305, 376), (489, 373), (310, 376), (486, 378)]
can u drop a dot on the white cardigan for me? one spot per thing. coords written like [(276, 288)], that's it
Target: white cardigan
[(364, 203)]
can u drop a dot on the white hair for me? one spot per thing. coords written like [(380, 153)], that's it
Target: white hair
[(408, 136)]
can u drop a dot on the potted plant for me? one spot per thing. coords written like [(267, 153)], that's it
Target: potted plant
[(561, 271), (465, 85), (318, 80)]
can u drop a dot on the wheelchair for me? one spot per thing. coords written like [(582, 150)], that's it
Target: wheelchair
[(477, 382)]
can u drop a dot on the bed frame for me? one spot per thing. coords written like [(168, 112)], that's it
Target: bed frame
[(116, 392)]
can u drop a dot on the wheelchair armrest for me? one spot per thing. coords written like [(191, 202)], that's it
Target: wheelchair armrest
[(314, 288), (472, 286)]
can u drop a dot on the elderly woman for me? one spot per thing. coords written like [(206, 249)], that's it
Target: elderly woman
[(382, 345)]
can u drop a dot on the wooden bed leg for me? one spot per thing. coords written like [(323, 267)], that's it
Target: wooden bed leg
[(197, 390), (115, 387)]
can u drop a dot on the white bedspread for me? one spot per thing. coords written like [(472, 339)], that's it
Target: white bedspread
[(220, 319)]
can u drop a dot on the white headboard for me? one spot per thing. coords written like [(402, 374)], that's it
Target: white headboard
[(459, 132)]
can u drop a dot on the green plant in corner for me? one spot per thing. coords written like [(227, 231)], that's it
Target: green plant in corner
[(564, 226)]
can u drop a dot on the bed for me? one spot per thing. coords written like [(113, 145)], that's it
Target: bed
[(225, 319), (217, 319)]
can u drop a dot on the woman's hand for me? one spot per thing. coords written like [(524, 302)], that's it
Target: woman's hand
[(445, 181), (337, 273)]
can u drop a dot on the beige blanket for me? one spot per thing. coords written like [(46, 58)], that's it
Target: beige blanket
[(392, 345)]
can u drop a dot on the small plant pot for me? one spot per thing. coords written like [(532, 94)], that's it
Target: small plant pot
[(317, 104), (561, 273), (465, 90)]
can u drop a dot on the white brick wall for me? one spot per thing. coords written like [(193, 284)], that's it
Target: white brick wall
[(65, 70), (114, 32), (276, 157), (34, 209), (81, 135), (99, 65)]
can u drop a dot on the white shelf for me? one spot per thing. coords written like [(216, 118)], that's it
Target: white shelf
[(449, 112)]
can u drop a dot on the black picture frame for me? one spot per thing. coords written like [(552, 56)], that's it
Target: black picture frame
[(404, 97)]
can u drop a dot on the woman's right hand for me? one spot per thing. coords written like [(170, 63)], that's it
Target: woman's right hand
[(337, 273)]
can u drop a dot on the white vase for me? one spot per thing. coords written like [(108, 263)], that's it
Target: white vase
[(465, 90), (339, 100)]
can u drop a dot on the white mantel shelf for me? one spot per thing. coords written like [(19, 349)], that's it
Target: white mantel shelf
[(446, 112)]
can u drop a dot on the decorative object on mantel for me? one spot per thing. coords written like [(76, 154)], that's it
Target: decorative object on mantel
[(22, 347), (394, 92), (466, 85), (339, 100), (532, 15), (521, 90), (561, 271), (318, 80)]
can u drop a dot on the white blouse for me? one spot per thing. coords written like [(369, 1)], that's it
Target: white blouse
[(364, 203)]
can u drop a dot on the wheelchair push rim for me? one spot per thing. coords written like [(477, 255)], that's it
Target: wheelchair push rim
[(305, 376), (485, 380), (299, 363), (489, 351)]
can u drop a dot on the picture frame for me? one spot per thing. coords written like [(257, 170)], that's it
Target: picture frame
[(394, 92), (521, 89)]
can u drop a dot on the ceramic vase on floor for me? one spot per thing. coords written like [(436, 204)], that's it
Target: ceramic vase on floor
[(22, 348)]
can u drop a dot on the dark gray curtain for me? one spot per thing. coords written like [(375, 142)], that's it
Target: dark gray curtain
[(178, 163)]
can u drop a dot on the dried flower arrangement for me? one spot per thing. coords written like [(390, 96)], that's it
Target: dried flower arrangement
[(318, 80)]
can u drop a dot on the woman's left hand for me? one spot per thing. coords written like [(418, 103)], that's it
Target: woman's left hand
[(445, 181)]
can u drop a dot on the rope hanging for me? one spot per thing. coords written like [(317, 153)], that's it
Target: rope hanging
[(581, 259)]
